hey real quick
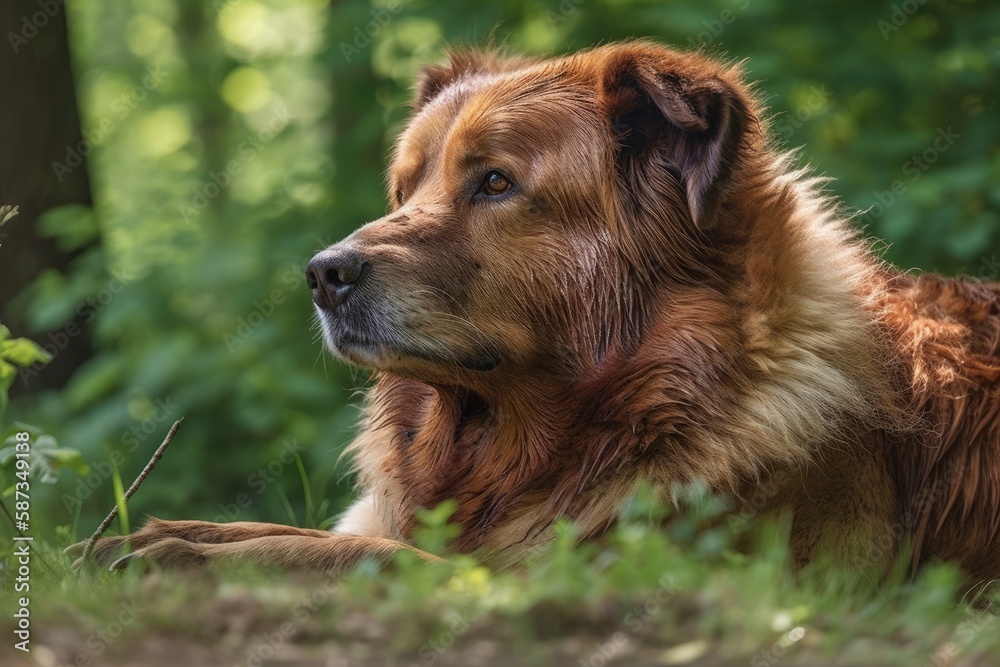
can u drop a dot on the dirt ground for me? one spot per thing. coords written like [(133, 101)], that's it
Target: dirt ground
[(62, 648)]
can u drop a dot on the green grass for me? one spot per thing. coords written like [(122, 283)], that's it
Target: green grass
[(120, 502), (680, 595)]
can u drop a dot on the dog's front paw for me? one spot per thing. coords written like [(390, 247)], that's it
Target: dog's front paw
[(105, 549), (170, 552), (109, 549)]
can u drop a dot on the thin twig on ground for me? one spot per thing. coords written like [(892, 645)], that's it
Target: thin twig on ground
[(157, 455)]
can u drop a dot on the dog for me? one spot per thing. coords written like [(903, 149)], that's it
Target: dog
[(599, 272)]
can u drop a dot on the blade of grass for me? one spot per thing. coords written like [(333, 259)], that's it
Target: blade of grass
[(288, 507), (76, 521), (307, 492), (119, 491)]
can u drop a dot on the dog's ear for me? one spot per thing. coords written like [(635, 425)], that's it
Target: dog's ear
[(668, 112), (431, 81), (461, 62), (464, 62)]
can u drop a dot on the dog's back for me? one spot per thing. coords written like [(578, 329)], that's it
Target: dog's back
[(946, 343)]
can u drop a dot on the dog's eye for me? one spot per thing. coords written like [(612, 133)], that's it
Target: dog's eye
[(496, 183)]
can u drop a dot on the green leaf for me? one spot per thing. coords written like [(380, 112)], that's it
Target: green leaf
[(23, 352), (436, 532), (73, 225), (46, 457), (69, 459), (7, 375)]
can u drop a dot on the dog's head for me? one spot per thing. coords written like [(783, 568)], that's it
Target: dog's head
[(537, 207)]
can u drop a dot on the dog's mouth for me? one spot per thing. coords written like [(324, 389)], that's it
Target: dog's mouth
[(385, 349)]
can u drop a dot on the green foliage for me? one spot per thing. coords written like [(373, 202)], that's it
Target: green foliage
[(642, 594), (14, 353), (436, 531), (46, 457)]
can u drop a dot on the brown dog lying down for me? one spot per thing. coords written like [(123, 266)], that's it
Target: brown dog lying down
[(598, 272)]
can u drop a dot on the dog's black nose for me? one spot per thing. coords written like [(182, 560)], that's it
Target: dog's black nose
[(331, 274)]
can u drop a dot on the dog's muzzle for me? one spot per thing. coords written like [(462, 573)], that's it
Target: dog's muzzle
[(332, 274)]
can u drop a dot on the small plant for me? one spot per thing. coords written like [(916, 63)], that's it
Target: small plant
[(46, 457)]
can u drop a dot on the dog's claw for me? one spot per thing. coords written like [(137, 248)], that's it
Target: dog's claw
[(123, 562), (75, 549), (104, 550)]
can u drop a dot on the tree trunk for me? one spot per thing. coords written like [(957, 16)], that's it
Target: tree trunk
[(39, 126)]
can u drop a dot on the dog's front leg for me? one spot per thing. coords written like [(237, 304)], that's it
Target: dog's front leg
[(327, 553), (186, 543)]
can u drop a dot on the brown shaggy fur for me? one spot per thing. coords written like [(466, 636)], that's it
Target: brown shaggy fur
[(659, 297)]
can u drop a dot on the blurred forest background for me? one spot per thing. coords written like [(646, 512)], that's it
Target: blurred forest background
[(221, 143)]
